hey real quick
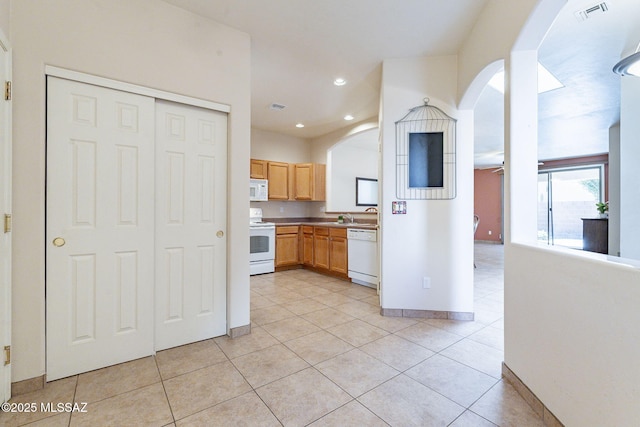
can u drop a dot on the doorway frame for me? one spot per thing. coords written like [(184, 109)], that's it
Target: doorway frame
[(6, 312), (600, 167), (50, 70)]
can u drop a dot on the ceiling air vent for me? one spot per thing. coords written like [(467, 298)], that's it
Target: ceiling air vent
[(277, 107), (590, 12)]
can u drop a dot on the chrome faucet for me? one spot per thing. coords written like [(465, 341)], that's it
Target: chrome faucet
[(351, 219)]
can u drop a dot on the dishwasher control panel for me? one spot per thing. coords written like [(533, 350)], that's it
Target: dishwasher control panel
[(359, 234)]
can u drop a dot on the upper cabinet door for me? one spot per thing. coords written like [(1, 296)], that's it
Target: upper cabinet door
[(304, 181), (258, 169), (278, 180), (310, 181)]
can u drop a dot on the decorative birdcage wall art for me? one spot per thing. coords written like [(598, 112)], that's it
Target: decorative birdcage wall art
[(426, 154)]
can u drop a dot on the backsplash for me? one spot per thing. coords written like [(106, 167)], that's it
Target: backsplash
[(274, 210)]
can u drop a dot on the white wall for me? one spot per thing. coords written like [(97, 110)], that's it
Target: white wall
[(614, 190), (521, 147), (345, 162), (629, 171), (145, 42), (284, 209), (267, 145), (320, 147), (572, 335), (321, 144), (5, 13), (274, 146), (435, 238)]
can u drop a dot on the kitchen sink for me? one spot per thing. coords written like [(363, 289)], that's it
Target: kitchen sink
[(347, 224)]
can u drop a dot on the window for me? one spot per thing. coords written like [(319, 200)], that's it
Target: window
[(565, 196)]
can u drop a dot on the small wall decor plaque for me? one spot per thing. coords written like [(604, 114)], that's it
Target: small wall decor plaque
[(399, 208)]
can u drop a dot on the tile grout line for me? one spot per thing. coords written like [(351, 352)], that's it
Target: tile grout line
[(312, 366), (378, 385), (75, 391), (164, 389)]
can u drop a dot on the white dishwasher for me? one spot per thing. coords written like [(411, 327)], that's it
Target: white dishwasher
[(363, 256)]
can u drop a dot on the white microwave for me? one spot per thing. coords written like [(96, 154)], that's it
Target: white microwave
[(258, 190)]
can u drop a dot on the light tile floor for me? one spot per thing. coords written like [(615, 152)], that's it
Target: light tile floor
[(319, 354)]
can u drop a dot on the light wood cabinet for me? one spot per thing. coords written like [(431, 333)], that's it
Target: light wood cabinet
[(259, 169), (292, 181), (307, 245), (321, 247), (278, 175), (287, 245), (310, 181), (338, 250)]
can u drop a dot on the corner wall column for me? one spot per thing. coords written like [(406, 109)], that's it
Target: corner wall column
[(521, 146), (629, 172)]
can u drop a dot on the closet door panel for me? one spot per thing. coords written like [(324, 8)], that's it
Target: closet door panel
[(191, 198), (100, 227)]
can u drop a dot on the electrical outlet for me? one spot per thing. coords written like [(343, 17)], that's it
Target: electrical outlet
[(426, 283), (490, 232), (281, 209)]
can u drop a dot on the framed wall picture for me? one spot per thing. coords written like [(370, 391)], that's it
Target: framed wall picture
[(366, 192)]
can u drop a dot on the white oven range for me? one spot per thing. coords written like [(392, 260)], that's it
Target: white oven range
[(262, 245)]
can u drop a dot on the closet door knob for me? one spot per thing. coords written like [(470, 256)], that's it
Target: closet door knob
[(220, 233), (58, 242)]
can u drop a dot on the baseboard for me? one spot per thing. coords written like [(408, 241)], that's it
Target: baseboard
[(37, 383), (288, 267), (27, 386), (493, 242), (427, 314), (240, 331), (548, 419)]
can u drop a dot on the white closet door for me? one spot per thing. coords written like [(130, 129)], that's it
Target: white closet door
[(191, 158), (100, 227)]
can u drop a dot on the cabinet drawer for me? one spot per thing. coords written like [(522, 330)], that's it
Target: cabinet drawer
[(287, 229), (307, 229), (321, 231), (338, 232)]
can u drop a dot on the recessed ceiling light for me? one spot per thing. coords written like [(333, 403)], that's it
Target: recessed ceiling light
[(299, 125), (348, 117), (339, 81)]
